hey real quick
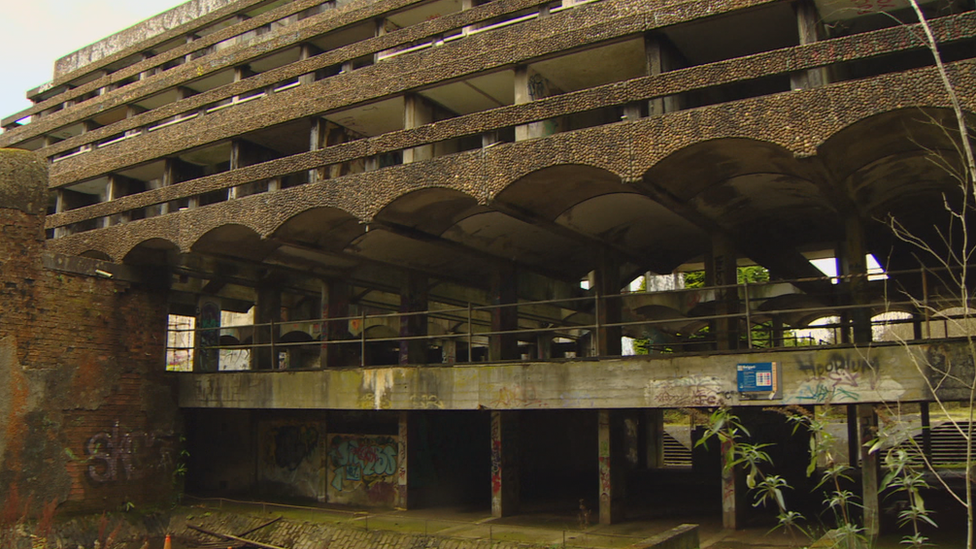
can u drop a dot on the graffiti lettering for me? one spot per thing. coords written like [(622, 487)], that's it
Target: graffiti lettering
[(836, 363), (517, 397), (116, 455), (823, 393), (362, 460)]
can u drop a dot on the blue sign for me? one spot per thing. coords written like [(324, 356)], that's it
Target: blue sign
[(757, 377)]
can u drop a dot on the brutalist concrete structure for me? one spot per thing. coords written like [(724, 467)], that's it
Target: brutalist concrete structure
[(395, 237)]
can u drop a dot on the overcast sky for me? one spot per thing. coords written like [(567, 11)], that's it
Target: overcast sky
[(36, 32)]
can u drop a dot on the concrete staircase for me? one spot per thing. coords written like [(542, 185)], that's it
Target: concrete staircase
[(676, 454)]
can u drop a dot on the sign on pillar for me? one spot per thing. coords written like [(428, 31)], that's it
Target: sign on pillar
[(504, 463)]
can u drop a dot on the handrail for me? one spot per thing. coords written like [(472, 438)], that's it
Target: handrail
[(577, 318)]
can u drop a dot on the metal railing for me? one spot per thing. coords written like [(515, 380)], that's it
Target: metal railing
[(738, 317)]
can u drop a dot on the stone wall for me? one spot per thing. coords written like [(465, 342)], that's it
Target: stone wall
[(86, 417)]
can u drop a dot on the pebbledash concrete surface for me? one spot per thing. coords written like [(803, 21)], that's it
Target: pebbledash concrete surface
[(381, 253)]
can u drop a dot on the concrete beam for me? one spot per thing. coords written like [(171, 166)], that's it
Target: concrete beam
[(839, 375)]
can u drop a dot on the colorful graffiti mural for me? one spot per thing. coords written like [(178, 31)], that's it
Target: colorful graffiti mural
[(363, 469)]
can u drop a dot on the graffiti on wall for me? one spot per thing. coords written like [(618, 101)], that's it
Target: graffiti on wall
[(359, 461), (518, 396), (843, 376), (118, 455), (288, 446), (689, 391)]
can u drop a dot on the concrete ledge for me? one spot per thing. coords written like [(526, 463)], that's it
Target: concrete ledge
[(684, 536)]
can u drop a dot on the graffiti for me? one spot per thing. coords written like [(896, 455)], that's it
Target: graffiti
[(688, 391), (362, 460), (823, 393), (116, 455), (370, 401), (517, 397), (290, 445), (426, 402), (208, 320), (838, 363), (496, 454), (538, 86)]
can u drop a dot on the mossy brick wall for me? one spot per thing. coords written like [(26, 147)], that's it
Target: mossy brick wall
[(87, 417)]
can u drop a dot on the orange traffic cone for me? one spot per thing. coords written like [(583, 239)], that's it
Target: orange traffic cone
[(168, 544)]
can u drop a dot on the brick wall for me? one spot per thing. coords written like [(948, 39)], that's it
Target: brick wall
[(87, 416)]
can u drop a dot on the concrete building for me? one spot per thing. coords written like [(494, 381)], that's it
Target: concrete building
[(378, 252)]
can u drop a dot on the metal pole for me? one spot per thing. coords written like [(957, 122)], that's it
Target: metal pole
[(596, 330), (925, 305), (274, 354), (362, 338), (470, 346)]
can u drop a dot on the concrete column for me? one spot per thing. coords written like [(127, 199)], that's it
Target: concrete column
[(207, 335), (923, 408), (403, 462), (808, 25), (267, 310), (505, 486), (118, 187), (307, 51), (734, 493), (854, 267), (236, 161), (60, 207), (652, 432), (317, 137), (613, 483), (721, 270), (413, 297), (870, 468), (335, 304), (661, 58), (417, 112), (543, 346), (529, 86), (605, 281), (449, 351), (777, 335), (504, 289)]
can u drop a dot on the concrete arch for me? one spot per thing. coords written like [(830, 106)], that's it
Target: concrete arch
[(550, 191), (242, 240), (96, 254), (319, 226), (747, 185), (151, 251), (432, 210), (876, 136)]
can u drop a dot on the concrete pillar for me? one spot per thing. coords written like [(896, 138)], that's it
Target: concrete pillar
[(335, 304), (734, 494), (778, 331), (307, 51), (505, 486), (403, 462), (529, 86), (809, 27), (413, 298), (661, 58), (923, 408), (207, 359), (504, 290), (652, 438), (317, 136), (543, 346), (449, 351), (267, 310), (236, 161), (605, 281), (870, 468), (853, 267), (118, 187), (721, 270), (613, 478), (417, 112)]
